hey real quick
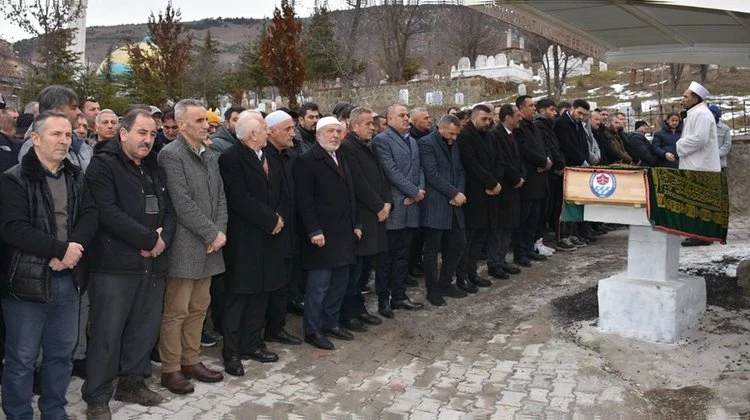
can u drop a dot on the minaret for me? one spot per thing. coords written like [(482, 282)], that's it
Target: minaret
[(79, 41)]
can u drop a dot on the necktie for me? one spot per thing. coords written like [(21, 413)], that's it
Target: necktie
[(265, 165)]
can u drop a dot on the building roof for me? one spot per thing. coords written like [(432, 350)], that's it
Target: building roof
[(652, 31)]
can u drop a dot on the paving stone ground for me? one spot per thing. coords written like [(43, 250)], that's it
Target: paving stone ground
[(500, 354)]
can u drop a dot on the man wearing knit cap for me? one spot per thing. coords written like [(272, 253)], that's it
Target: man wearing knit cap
[(325, 203), (280, 130), (698, 147)]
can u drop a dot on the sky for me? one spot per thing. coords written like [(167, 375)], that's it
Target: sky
[(117, 12)]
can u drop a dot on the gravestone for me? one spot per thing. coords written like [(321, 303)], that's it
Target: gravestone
[(501, 60), (464, 63), (521, 89), (481, 62), (403, 96), (459, 98), (490, 61)]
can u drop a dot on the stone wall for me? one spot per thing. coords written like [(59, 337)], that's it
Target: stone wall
[(738, 171), (378, 97)]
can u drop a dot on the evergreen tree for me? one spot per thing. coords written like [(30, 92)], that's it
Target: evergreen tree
[(282, 55), (248, 73), (321, 48), (205, 76)]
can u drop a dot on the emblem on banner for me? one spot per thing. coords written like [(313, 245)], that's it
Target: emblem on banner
[(602, 184)]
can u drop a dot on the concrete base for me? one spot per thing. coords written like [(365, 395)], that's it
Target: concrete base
[(657, 311)]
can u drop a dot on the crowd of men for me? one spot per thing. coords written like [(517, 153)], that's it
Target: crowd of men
[(118, 234)]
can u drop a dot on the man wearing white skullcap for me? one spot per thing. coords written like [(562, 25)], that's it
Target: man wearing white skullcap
[(698, 147), (326, 206)]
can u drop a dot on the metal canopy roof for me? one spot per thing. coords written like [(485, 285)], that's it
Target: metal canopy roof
[(663, 31)]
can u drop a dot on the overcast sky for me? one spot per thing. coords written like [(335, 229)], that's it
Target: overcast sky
[(116, 12)]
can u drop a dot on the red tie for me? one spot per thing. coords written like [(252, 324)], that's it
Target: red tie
[(265, 166)]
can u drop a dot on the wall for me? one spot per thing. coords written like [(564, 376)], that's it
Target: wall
[(738, 171), (379, 97)]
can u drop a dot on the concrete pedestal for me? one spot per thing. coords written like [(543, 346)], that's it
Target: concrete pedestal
[(650, 310), (651, 301)]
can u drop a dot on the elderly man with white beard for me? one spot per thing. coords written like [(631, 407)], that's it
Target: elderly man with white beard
[(327, 209)]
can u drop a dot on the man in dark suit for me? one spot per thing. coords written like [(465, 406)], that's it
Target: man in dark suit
[(327, 209), (374, 202), (536, 157), (483, 163), (254, 255), (513, 180), (442, 216), (399, 156)]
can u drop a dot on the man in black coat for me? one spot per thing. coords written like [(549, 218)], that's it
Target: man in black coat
[(484, 168), (280, 151), (514, 177), (327, 209), (536, 157), (552, 207), (442, 213), (128, 266), (254, 254), (643, 154), (574, 144), (374, 203), (47, 221)]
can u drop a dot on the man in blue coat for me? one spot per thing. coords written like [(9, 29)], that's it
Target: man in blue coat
[(399, 156), (442, 215)]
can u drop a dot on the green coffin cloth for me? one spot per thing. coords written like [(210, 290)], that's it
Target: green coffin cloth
[(689, 203), (571, 212)]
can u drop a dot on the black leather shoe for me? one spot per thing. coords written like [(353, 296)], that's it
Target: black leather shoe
[(354, 324), (498, 273), (296, 307), (480, 281), (385, 310), (537, 257), (509, 268), (338, 332), (523, 262), (233, 366), (320, 341), (467, 286), (262, 355), (436, 300), (368, 318), (282, 337), (452, 292), (406, 304)]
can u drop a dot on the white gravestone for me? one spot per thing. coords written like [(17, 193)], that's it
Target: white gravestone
[(481, 62), (521, 89), (459, 98), (501, 60), (464, 63), (403, 96)]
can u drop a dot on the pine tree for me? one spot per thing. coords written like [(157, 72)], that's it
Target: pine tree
[(321, 48), (282, 55), (205, 76)]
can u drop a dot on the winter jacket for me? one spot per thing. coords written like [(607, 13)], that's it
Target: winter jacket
[(641, 148), (304, 140), (117, 187), (724, 135), (665, 141), (222, 141), (29, 232)]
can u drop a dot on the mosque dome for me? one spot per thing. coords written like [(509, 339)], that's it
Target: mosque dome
[(119, 60)]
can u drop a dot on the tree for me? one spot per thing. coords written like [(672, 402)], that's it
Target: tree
[(248, 72), (399, 23), (282, 55), (321, 48), (349, 66), (675, 74), (557, 63), (49, 21), (479, 33), (160, 71), (205, 76)]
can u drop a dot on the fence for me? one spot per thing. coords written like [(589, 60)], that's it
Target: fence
[(733, 113)]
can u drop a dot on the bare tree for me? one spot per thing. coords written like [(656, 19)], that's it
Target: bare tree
[(399, 21), (349, 66), (675, 74), (470, 32), (557, 63)]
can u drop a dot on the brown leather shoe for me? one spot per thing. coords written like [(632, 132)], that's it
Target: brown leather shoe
[(176, 383), (201, 373)]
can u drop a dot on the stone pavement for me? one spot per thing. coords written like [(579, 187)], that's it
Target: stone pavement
[(499, 354)]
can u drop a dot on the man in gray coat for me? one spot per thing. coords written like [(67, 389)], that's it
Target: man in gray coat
[(197, 193), (399, 156)]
